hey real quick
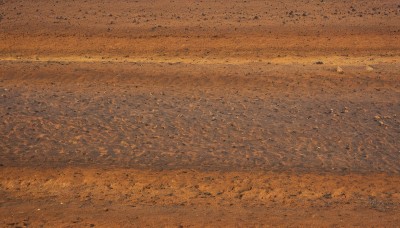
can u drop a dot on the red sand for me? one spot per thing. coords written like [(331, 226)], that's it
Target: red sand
[(211, 113)]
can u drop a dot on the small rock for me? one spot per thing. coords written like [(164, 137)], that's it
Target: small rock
[(327, 196), (379, 120), (369, 68), (339, 70), (319, 62)]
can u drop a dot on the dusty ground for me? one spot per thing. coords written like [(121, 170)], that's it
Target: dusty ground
[(125, 197), (180, 113)]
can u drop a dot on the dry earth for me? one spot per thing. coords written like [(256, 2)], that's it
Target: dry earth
[(199, 113)]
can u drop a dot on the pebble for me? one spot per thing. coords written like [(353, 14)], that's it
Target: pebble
[(339, 70), (369, 68)]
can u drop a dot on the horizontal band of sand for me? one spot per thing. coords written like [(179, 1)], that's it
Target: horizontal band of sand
[(187, 186), (99, 196), (327, 60), (345, 50)]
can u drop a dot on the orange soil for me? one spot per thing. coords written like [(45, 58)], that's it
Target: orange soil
[(210, 113), (126, 197)]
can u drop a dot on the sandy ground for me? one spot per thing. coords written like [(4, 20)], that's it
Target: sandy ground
[(126, 197), (199, 113)]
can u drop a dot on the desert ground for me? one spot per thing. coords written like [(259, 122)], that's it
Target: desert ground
[(199, 113)]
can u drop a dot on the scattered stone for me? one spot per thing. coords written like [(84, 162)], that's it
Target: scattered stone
[(379, 120), (339, 70), (369, 68), (327, 196)]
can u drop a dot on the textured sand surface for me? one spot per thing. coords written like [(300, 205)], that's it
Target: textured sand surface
[(126, 197), (199, 113), (207, 117)]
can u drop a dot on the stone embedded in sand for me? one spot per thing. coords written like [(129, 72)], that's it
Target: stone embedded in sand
[(369, 68), (339, 70), (378, 119)]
